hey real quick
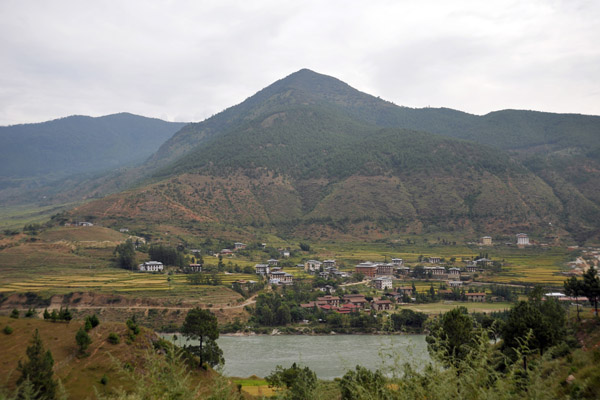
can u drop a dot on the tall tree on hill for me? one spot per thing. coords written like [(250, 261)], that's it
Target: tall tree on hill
[(125, 253), (38, 369), (574, 287), (591, 287), (201, 325)]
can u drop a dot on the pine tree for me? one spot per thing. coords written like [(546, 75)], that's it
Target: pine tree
[(38, 370), (83, 340)]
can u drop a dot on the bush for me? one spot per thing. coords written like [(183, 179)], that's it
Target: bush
[(7, 330), (14, 314), (113, 338)]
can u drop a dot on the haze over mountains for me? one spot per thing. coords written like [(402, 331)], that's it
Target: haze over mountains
[(36, 155), (310, 154)]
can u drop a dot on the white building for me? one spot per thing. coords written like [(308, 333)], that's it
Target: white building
[(151, 266), (522, 239), (382, 283), (262, 269)]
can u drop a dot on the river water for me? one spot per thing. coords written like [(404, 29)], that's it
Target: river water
[(330, 356)]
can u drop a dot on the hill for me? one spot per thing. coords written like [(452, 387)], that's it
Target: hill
[(309, 149), (79, 144)]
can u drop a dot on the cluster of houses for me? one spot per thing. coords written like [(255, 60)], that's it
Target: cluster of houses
[(274, 273), (348, 303)]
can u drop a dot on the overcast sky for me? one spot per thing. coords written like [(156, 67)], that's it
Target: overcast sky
[(187, 60)]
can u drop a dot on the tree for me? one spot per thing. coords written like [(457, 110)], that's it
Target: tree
[(300, 382), (452, 336), (125, 253), (83, 340), (574, 287), (363, 384), (38, 370), (14, 313), (544, 319), (591, 287), (201, 325)]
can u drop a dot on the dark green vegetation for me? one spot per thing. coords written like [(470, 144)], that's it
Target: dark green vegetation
[(310, 155), (201, 325), (36, 372), (78, 144), (47, 167)]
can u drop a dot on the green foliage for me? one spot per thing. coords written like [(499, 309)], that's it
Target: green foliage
[(14, 313), (7, 330), (200, 278), (167, 255), (362, 383), (37, 370), (83, 340), (408, 319), (544, 320), (299, 382), (451, 337), (113, 338), (591, 287), (201, 325), (91, 321), (125, 253)]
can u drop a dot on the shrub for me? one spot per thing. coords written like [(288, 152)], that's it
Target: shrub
[(113, 338), (14, 314), (7, 330)]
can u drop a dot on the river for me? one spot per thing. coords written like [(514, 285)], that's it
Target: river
[(330, 356)]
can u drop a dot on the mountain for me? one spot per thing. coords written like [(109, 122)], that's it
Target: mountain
[(311, 155), (78, 144)]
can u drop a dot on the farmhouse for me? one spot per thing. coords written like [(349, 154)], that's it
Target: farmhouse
[(455, 284), (311, 266), (262, 269), (478, 297), (385, 269), (472, 267), (454, 273), (435, 270), (398, 262), (328, 263), (280, 277), (273, 262), (486, 240), (356, 299), (522, 239), (381, 305), (226, 252), (239, 245), (329, 300), (434, 260), (151, 266), (402, 270), (405, 290), (382, 283), (367, 268), (192, 268)]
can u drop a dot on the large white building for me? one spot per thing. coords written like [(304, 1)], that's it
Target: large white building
[(151, 266), (382, 283), (522, 239)]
